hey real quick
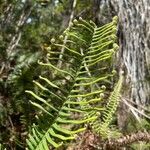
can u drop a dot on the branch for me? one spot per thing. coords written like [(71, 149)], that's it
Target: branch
[(126, 140), (7, 15), (89, 140), (66, 37), (132, 108), (23, 17)]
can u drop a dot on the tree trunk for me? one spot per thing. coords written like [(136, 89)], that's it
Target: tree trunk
[(134, 41)]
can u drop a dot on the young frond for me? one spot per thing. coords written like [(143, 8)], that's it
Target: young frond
[(73, 88), (107, 115)]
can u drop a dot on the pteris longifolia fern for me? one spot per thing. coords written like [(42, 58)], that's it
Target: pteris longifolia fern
[(68, 92)]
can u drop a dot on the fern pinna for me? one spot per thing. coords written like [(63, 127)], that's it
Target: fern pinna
[(74, 87)]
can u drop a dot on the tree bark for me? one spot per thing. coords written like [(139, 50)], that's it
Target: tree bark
[(134, 40)]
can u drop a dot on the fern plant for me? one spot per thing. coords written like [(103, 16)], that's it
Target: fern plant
[(74, 87), (1, 147), (101, 126)]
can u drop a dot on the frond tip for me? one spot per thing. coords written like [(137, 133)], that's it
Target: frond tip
[(110, 109)]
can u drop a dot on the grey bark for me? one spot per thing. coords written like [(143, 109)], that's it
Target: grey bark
[(134, 40)]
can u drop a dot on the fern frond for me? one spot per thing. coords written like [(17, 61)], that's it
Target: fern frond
[(107, 115), (2, 147), (74, 87)]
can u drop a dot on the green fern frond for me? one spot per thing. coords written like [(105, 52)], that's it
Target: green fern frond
[(1, 147), (102, 126), (74, 87)]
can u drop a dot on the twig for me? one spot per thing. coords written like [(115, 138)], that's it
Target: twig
[(133, 108), (11, 123), (66, 37), (2, 68), (139, 106)]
